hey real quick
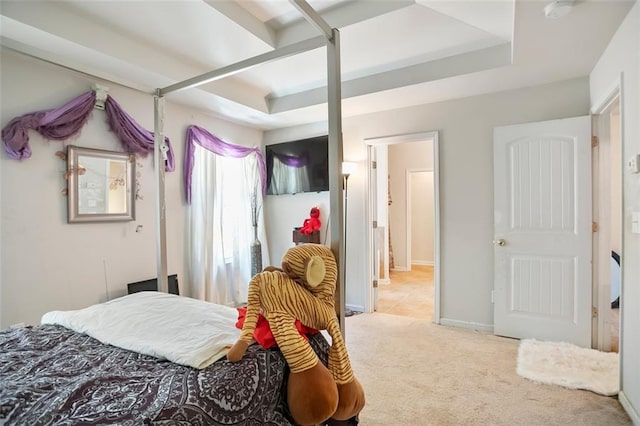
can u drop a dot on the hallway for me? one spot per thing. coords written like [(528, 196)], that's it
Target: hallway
[(409, 294)]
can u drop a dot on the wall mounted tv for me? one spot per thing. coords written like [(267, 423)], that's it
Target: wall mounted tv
[(298, 166)]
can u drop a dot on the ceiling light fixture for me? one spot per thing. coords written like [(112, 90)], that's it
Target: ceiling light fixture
[(558, 8)]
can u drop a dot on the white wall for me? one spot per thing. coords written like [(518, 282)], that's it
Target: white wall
[(466, 191), (422, 218), (287, 211), (622, 57), (47, 264), (616, 183)]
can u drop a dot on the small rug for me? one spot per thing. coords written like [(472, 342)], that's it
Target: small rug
[(568, 365)]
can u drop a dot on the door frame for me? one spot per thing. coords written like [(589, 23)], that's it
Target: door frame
[(391, 140), (601, 175)]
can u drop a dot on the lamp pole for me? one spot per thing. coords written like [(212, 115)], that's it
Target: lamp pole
[(347, 169)]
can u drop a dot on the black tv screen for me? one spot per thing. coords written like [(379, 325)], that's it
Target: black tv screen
[(298, 166), (152, 285)]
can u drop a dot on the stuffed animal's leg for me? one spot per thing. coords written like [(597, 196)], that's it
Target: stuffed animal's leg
[(339, 364), (351, 400), (250, 320), (296, 350), (312, 395)]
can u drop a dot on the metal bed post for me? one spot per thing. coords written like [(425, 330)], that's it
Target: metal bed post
[(229, 70), (331, 39), (336, 189), (334, 104), (160, 155)]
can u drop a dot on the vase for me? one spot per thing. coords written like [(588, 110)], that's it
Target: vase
[(256, 253)]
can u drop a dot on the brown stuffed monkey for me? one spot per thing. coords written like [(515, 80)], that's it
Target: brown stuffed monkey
[(304, 290)]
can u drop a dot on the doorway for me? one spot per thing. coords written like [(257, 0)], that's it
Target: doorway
[(607, 217), (403, 239)]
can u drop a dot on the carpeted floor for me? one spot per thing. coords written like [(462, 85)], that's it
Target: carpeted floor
[(419, 374)]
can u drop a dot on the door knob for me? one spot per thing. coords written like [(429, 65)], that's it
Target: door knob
[(500, 242)]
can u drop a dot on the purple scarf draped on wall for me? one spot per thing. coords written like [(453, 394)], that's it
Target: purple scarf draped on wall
[(134, 137), (65, 121), (216, 145), (58, 124)]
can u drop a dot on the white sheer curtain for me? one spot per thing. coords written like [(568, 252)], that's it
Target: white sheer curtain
[(219, 227), (288, 179)]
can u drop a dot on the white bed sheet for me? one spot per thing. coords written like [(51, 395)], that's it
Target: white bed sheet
[(180, 329)]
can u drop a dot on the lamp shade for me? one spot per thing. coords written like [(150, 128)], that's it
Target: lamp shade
[(349, 168)]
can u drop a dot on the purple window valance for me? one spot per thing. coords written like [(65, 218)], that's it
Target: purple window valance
[(65, 121), (200, 136)]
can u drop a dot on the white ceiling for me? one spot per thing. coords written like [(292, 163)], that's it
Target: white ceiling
[(394, 53)]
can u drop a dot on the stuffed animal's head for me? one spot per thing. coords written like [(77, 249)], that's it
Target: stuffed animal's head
[(314, 267), (315, 212)]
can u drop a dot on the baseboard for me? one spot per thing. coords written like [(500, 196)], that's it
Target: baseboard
[(400, 268), (487, 328), (355, 308), (384, 281), (626, 404), (423, 262)]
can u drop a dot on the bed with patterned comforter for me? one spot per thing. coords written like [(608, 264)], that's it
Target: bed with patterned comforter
[(146, 358), (50, 375)]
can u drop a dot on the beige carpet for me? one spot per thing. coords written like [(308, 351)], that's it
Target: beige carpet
[(419, 374)]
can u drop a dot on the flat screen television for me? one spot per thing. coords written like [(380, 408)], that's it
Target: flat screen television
[(298, 166)]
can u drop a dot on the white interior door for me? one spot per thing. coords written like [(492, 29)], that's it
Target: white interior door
[(382, 213), (542, 230), (376, 243)]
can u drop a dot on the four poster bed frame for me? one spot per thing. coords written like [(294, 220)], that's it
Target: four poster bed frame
[(85, 367), (331, 39)]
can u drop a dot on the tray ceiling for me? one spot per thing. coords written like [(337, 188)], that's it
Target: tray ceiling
[(394, 53)]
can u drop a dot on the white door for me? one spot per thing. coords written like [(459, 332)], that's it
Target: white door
[(542, 230), (376, 244)]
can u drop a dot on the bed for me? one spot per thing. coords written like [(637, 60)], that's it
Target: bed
[(53, 375)]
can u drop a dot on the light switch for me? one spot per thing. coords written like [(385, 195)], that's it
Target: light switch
[(635, 222)]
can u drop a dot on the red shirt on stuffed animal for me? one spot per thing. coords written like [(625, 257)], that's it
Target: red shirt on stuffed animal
[(263, 334)]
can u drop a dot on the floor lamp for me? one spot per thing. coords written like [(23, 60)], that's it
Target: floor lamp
[(348, 168)]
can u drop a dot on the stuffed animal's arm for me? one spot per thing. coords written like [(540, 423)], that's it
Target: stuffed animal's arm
[(339, 364), (296, 350), (250, 321)]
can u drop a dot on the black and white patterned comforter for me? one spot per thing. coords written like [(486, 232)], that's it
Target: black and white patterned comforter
[(50, 375)]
